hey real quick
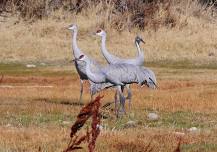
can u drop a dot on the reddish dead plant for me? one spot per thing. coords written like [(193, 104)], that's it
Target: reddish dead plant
[(91, 109), (95, 124), (178, 148), (2, 77)]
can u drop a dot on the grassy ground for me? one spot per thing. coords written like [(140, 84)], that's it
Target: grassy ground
[(36, 118), (39, 119)]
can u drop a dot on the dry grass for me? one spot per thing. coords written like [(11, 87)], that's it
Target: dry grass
[(30, 117), (184, 58), (193, 39)]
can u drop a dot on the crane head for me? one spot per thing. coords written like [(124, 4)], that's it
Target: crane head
[(100, 32), (139, 39), (81, 58), (72, 27)]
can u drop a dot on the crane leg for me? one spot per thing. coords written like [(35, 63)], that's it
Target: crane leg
[(129, 95), (91, 97), (81, 90), (122, 99), (116, 104)]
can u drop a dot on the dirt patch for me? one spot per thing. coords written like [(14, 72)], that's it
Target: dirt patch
[(42, 80)]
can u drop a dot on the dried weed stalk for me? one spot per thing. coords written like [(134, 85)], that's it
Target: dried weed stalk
[(90, 110), (1, 79), (178, 148)]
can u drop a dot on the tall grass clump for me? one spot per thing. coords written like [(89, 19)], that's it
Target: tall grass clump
[(174, 30), (117, 14)]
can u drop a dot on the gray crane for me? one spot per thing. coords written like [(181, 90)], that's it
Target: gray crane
[(80, 66), (116, 74), (150, 82), (112, 59)]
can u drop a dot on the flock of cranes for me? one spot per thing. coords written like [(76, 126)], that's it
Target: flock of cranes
[(119, 73)]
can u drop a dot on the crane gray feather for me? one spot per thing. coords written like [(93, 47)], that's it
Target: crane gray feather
[(127, 74)]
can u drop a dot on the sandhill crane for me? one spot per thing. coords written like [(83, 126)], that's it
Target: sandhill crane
[(80, 67), (112, 59), (117, 74), (151, 83)]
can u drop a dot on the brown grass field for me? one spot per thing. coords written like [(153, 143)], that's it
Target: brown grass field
[(191, 41), (39, 119), (39, 105)]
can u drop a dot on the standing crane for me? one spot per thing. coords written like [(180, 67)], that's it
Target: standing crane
[(117, 74), (112, 59), (80, 67)]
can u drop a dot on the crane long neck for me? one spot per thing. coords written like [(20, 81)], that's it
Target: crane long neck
[(104, 51), (139, 51), (76, 50), (96, 77)]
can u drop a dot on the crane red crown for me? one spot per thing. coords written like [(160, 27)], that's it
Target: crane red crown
[(98, 31)]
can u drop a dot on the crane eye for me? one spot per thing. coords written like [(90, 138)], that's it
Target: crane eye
[(81, 56), (98, 31)]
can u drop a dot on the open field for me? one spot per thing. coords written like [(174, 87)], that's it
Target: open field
[(38, 105), (39, 119)]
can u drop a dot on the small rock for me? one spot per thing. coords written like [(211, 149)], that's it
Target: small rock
[(43, 64), (8, 125), (153, 116), (193, 129), (66, 122), (180, 134), (30, 66), (99, 126), (130, 124)]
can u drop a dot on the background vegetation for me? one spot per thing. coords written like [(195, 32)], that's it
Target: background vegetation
[(174, 30)]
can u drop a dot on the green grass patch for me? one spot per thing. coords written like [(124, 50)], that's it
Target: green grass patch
[(178, 119), (60, 101), (36, 120), (175, 120), (56, 69), (182, 64), (17, 69)]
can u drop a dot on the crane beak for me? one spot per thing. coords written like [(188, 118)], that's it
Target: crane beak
[(73, 61), (68, 27), (142, 41), (76, 59)]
